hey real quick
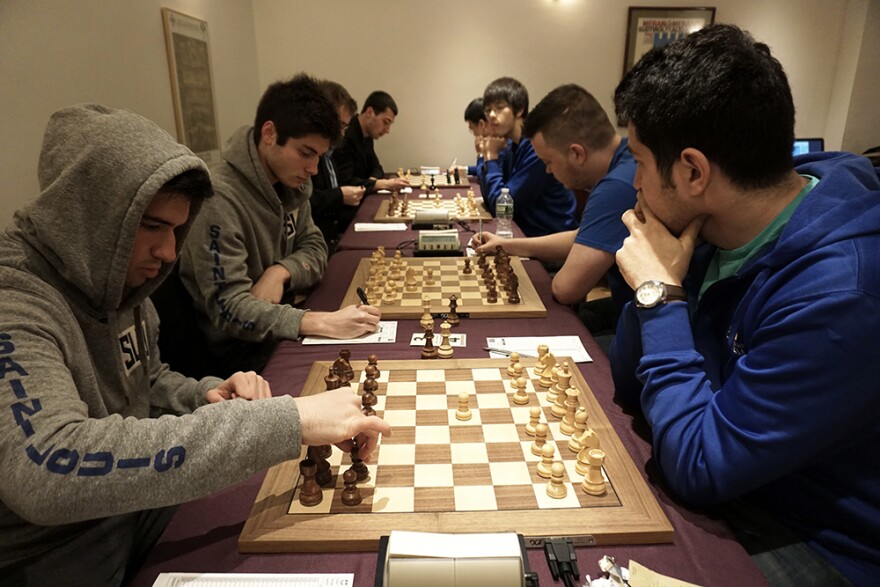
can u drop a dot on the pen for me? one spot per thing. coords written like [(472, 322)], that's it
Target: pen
[(363, 296), (505, 352)]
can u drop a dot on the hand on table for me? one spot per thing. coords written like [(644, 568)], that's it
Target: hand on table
[(352, 194), (651, 251), (393, 184), (335, 417), (247, 385), (349, 322)]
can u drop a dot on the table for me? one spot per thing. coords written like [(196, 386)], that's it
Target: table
[(351, 240), (203, 534)]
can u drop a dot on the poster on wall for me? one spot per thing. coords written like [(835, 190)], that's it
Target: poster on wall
[(649, 28), (186, 41)]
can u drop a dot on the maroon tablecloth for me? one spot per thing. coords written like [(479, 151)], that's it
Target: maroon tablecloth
[(202, 536)]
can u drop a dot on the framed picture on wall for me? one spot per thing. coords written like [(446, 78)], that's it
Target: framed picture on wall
[(650, 27), (186, 41)]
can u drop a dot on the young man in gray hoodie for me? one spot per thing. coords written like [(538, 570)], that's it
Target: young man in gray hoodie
[(255, 246), (89, 466)]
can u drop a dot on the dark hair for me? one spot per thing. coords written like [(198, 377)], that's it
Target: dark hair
[(338, 95), (298, 108), (475, 111), (570, 114), (380, 101), (194, 184), (509, 90), (719, 91)]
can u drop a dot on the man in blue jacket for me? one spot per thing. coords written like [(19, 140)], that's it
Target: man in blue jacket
[(751, 344), (541, 205)]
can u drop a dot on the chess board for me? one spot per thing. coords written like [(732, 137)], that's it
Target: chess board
[(440, 181), (438, 474), (449, 279), (431, 203)]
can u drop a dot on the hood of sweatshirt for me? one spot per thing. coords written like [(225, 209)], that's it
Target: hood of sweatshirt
[(242, 155), (837, 201), (99, 169)]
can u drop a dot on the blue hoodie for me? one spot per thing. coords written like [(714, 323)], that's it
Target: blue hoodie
[(769, 387)]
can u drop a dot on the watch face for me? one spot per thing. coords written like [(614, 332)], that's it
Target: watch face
[(649, 294)]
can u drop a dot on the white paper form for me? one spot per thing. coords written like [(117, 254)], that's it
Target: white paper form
[(387, 332), (527, 346), (254, 580)]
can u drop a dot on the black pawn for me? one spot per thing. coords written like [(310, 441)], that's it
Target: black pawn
[(357, 465), (324, 476), (331, 380), (429, 352), (368, 400), (467, 267), (351, 495), (373, 361), (310, 493)]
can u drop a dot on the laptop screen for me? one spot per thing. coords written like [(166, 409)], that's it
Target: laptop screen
[(802, 146)]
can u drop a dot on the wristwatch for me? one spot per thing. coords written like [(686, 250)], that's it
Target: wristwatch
[(653, 293)]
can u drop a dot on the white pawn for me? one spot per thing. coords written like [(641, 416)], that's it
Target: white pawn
[(534, 418), (521, 397), (463, 412), (556, 486), (580, 426), (540, 439), (517, 374), (594, 482), (548, 451), (514, 359)]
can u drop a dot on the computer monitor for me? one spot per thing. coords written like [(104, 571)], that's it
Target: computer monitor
[(802, 146)]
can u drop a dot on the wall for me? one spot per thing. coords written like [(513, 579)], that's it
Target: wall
[(863, 119), (54, 53), (434, 57)]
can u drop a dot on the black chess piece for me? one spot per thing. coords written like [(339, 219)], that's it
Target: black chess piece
[(357, 464), (351, 495), (324, 476), (429, 352), (453, 318), (310, 493), (331, 381)]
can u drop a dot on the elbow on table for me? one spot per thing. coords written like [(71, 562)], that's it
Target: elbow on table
[(565, 293)]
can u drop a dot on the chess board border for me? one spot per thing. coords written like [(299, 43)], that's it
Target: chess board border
[(383, 216), (530, 305), (637, 520)]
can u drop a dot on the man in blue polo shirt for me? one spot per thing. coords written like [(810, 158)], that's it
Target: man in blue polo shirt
[(575, 140)]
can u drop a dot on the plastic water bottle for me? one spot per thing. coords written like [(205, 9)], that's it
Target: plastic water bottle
[(504, 214)]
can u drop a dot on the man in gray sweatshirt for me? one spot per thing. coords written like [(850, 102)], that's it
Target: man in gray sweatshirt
[(255, 247), (98, 437)]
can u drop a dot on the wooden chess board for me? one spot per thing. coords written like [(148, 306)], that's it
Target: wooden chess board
[(449, 279), (414, 204), (438, 474), (440, 181)]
